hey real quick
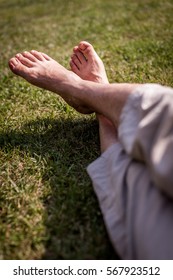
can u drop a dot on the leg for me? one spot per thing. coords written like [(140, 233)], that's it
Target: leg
[(87, 65), (138, 217), (85, 96)]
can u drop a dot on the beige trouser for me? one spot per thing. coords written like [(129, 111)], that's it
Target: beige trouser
[(133, 179)]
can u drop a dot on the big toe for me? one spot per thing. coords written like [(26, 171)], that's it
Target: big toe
[(86, 48)]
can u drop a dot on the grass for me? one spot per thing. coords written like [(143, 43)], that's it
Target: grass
[(48, 209)]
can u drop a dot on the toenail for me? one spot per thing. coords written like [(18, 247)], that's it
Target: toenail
[(83, 47), (18, 55)]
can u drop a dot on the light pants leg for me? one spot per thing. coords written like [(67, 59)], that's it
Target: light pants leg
[(134, 187), (138, 217)]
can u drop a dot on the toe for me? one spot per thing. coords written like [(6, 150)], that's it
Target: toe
[(38, 55), (17, 67), (85, 47), (74, 68), (46, 56), (76, 60), (75, 48), (29, 56), (80, 56), (24, 60), (13, 63)]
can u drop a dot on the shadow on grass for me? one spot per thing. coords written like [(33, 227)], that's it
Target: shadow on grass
[(74, 224)]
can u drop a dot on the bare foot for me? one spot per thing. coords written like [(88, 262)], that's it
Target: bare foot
[(41, 70), (86, 63)]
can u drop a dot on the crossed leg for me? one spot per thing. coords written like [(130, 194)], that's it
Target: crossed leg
[(107, 100), (86, 63), (85, 96)]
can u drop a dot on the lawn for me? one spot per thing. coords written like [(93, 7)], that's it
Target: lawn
[(48, 209)]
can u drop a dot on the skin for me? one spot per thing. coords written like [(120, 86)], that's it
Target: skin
[(86, 63), (85, 96)]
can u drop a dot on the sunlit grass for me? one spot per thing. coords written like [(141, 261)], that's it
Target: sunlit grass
[(48, 209)]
